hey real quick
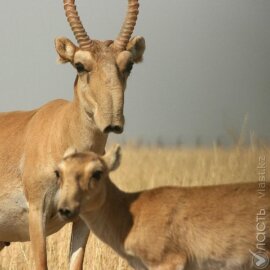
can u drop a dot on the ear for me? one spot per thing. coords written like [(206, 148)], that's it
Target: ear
[(113, 157), (70, 151), (65, 49), (136, 46)]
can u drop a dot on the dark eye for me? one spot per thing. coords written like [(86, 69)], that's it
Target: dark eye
[(80, 68), (129, 67), (57, 174), (97, 175)]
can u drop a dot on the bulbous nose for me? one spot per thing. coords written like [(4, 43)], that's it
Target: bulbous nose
[(65, 212), (115, 129)]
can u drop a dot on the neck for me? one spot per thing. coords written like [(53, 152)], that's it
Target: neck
[(113, 220)]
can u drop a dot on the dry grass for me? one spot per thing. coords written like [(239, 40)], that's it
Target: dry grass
[(146, 168)]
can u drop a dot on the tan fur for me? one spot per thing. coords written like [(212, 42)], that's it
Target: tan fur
[(166, 228), (33, 142)]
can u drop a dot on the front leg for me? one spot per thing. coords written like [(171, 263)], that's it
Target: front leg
[(37, 236), (79, 237)]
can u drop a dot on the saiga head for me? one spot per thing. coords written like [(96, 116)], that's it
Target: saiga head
[(83, 179), (102, 67)]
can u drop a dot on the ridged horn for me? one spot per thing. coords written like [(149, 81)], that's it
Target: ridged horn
[(128, 25), (77, 28)]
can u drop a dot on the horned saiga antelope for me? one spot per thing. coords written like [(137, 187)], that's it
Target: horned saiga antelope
[(33, 142), (166, 228)]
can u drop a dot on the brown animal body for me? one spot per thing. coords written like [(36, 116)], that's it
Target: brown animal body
[(166, 228), (33, 142)]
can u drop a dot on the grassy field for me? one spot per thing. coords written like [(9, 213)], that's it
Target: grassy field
[(146, 168)]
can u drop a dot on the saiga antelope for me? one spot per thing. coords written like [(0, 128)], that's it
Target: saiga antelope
[(33, 142), (166, 228)]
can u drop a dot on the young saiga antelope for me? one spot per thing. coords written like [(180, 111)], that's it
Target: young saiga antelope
[(165, 228)]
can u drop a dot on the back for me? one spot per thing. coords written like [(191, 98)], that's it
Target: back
[(213, 223)]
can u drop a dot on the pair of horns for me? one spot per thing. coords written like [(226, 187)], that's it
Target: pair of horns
[(84, 40)]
